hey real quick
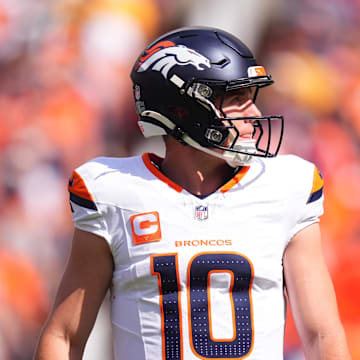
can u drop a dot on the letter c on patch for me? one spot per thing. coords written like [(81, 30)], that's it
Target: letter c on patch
[(145, 227)]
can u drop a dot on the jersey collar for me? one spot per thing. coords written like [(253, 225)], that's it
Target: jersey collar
[(150, 160), (153, 162)]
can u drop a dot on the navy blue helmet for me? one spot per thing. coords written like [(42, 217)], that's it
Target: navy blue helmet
[(176, 81)]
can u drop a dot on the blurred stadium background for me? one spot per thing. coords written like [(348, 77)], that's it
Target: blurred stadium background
[(65, 97)]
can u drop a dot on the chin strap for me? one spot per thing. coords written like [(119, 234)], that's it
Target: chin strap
[(233, 159), (149, 129)]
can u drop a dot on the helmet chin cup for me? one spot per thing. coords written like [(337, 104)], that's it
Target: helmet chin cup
[(233, 159), (243, 155)]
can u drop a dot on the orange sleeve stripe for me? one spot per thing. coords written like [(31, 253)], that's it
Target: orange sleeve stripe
[(77, 187)]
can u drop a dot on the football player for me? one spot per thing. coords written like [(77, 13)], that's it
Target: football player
[(198, 247)]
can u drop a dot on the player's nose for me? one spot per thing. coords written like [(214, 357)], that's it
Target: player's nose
[(252, 110)]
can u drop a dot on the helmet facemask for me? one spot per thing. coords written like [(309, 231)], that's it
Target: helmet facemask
[(222, 132)]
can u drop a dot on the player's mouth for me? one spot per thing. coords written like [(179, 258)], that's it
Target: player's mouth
[(245, 136)]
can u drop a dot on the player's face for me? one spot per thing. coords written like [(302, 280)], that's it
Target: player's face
[(238, 103)]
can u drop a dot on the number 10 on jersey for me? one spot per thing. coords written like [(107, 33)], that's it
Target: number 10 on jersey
[(199, 272)]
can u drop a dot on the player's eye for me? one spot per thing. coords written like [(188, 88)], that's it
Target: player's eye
[(239, 96)]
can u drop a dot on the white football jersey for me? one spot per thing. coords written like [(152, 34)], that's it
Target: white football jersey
[(196, 278)]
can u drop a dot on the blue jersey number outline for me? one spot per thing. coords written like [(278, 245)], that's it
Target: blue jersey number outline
[(200, 267)]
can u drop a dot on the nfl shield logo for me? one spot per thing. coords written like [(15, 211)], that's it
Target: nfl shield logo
[(201, 212)]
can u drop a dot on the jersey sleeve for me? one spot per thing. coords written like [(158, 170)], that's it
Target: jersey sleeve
[(313, 205), (87, 214)]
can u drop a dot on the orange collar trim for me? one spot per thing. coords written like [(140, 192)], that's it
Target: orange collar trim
[(235, 180), (149, 159)]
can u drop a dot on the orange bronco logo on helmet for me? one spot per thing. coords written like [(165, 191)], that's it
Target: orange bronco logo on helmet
[(165, 55)]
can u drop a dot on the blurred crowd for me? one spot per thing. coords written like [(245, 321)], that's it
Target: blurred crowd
[(65, 97), (314, 54)]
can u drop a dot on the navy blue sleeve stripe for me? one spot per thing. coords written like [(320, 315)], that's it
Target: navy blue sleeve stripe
[(82, 202), (315, 196)]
